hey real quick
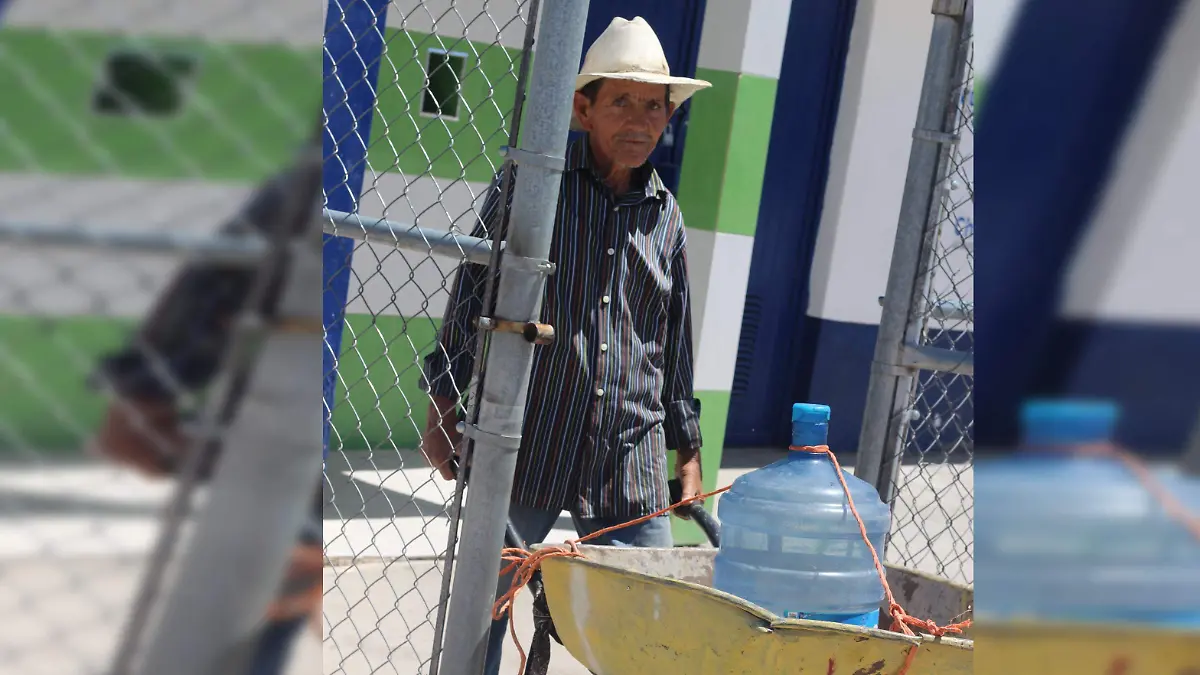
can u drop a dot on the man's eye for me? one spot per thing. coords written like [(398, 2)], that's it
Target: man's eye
[(620, 103), (655, 105)]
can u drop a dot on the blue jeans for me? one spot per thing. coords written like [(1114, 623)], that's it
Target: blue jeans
[(535, 524), (274, 647)]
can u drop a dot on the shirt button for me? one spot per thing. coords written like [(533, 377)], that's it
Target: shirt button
[(599, 393), (612, 251), (603, 346), (616, 208), (604, 299)]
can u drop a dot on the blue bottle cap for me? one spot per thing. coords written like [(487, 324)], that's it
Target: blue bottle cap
[(810, 424), (810, 413), (1050, 422)]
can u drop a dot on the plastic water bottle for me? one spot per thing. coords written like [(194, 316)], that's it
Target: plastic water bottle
[(1071, 537), (789, 542)]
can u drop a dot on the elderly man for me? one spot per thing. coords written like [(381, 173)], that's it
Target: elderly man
[(614, 391)]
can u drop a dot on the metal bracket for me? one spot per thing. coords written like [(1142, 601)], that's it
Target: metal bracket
[(549, 162), (896, 370), (534, 333), (499, 440), (529, 265), (935, 136)]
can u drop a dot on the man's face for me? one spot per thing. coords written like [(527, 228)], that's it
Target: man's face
[(625, 121)]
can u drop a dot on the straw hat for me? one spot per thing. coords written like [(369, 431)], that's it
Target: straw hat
[(630, 50)]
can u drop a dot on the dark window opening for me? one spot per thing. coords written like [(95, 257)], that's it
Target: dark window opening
[(445, 72), (140, 83)]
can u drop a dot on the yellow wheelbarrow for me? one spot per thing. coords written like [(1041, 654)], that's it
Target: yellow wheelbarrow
[(635, 611), (628, 611), (1085, 649)]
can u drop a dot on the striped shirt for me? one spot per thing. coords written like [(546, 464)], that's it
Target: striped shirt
[(614, 390)]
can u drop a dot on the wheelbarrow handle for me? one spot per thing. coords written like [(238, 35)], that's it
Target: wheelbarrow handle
[(696, 511)]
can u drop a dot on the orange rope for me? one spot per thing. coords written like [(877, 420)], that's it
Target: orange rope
[(901, 620), (524, 563), (1170, 504)]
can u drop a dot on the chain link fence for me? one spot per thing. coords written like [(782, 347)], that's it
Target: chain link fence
[(125, 127), (419, 99), (934, 502), (917, 443)]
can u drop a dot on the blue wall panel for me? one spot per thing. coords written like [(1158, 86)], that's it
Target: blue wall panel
[(1043, 169), (353, 47), (775, 352)]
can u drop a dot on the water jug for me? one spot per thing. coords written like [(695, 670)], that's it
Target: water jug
[(1064, 536), (789, 542)]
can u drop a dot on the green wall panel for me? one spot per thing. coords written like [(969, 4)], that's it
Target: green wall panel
[(386, 409), (706, 147), (246, 111), (404, 139)]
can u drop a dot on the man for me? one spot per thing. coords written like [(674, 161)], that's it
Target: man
[(614, 390)]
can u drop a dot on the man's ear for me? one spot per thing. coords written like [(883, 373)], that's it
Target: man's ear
[(582, 107), (670, 108)]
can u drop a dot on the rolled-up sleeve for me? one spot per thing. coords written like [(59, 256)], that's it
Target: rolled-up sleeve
[(682, 423), (447, 369)]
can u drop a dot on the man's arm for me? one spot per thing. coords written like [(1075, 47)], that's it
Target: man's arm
[(448, 368), (682, 418), (182, 341)]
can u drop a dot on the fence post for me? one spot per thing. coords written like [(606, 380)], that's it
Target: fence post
[(885, 413), (501, 410), (350, 69), (236, 556)]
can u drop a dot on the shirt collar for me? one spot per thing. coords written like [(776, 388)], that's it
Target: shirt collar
[(579, 157)]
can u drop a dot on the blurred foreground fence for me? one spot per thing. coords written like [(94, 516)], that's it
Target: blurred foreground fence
[(916, 444), (131, 137)]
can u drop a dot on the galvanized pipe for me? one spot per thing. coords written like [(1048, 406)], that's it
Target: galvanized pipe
[(214, 248), (501, 411), (383, 232)]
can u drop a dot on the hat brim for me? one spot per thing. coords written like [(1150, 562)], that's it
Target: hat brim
[(681, 90)]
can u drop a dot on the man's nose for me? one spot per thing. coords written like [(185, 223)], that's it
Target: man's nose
[(642, 120)]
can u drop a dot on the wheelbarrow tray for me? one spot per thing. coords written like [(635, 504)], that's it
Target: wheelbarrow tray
[(631, 611), (1085, 649)]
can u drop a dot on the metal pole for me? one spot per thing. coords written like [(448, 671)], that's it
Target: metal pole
[(220, 248), (383, 232), (489, 298), (259, 496), (884, 424), (497, 433)]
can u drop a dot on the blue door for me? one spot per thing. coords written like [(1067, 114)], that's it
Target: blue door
[(776, 348), (677, 23)]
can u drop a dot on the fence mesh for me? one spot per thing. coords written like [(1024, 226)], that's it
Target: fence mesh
[(126, 118), (447, 83), (934, 502)]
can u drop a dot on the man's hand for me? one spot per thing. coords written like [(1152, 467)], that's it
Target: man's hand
[(141, 435), (691, 478), (441, 436)]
